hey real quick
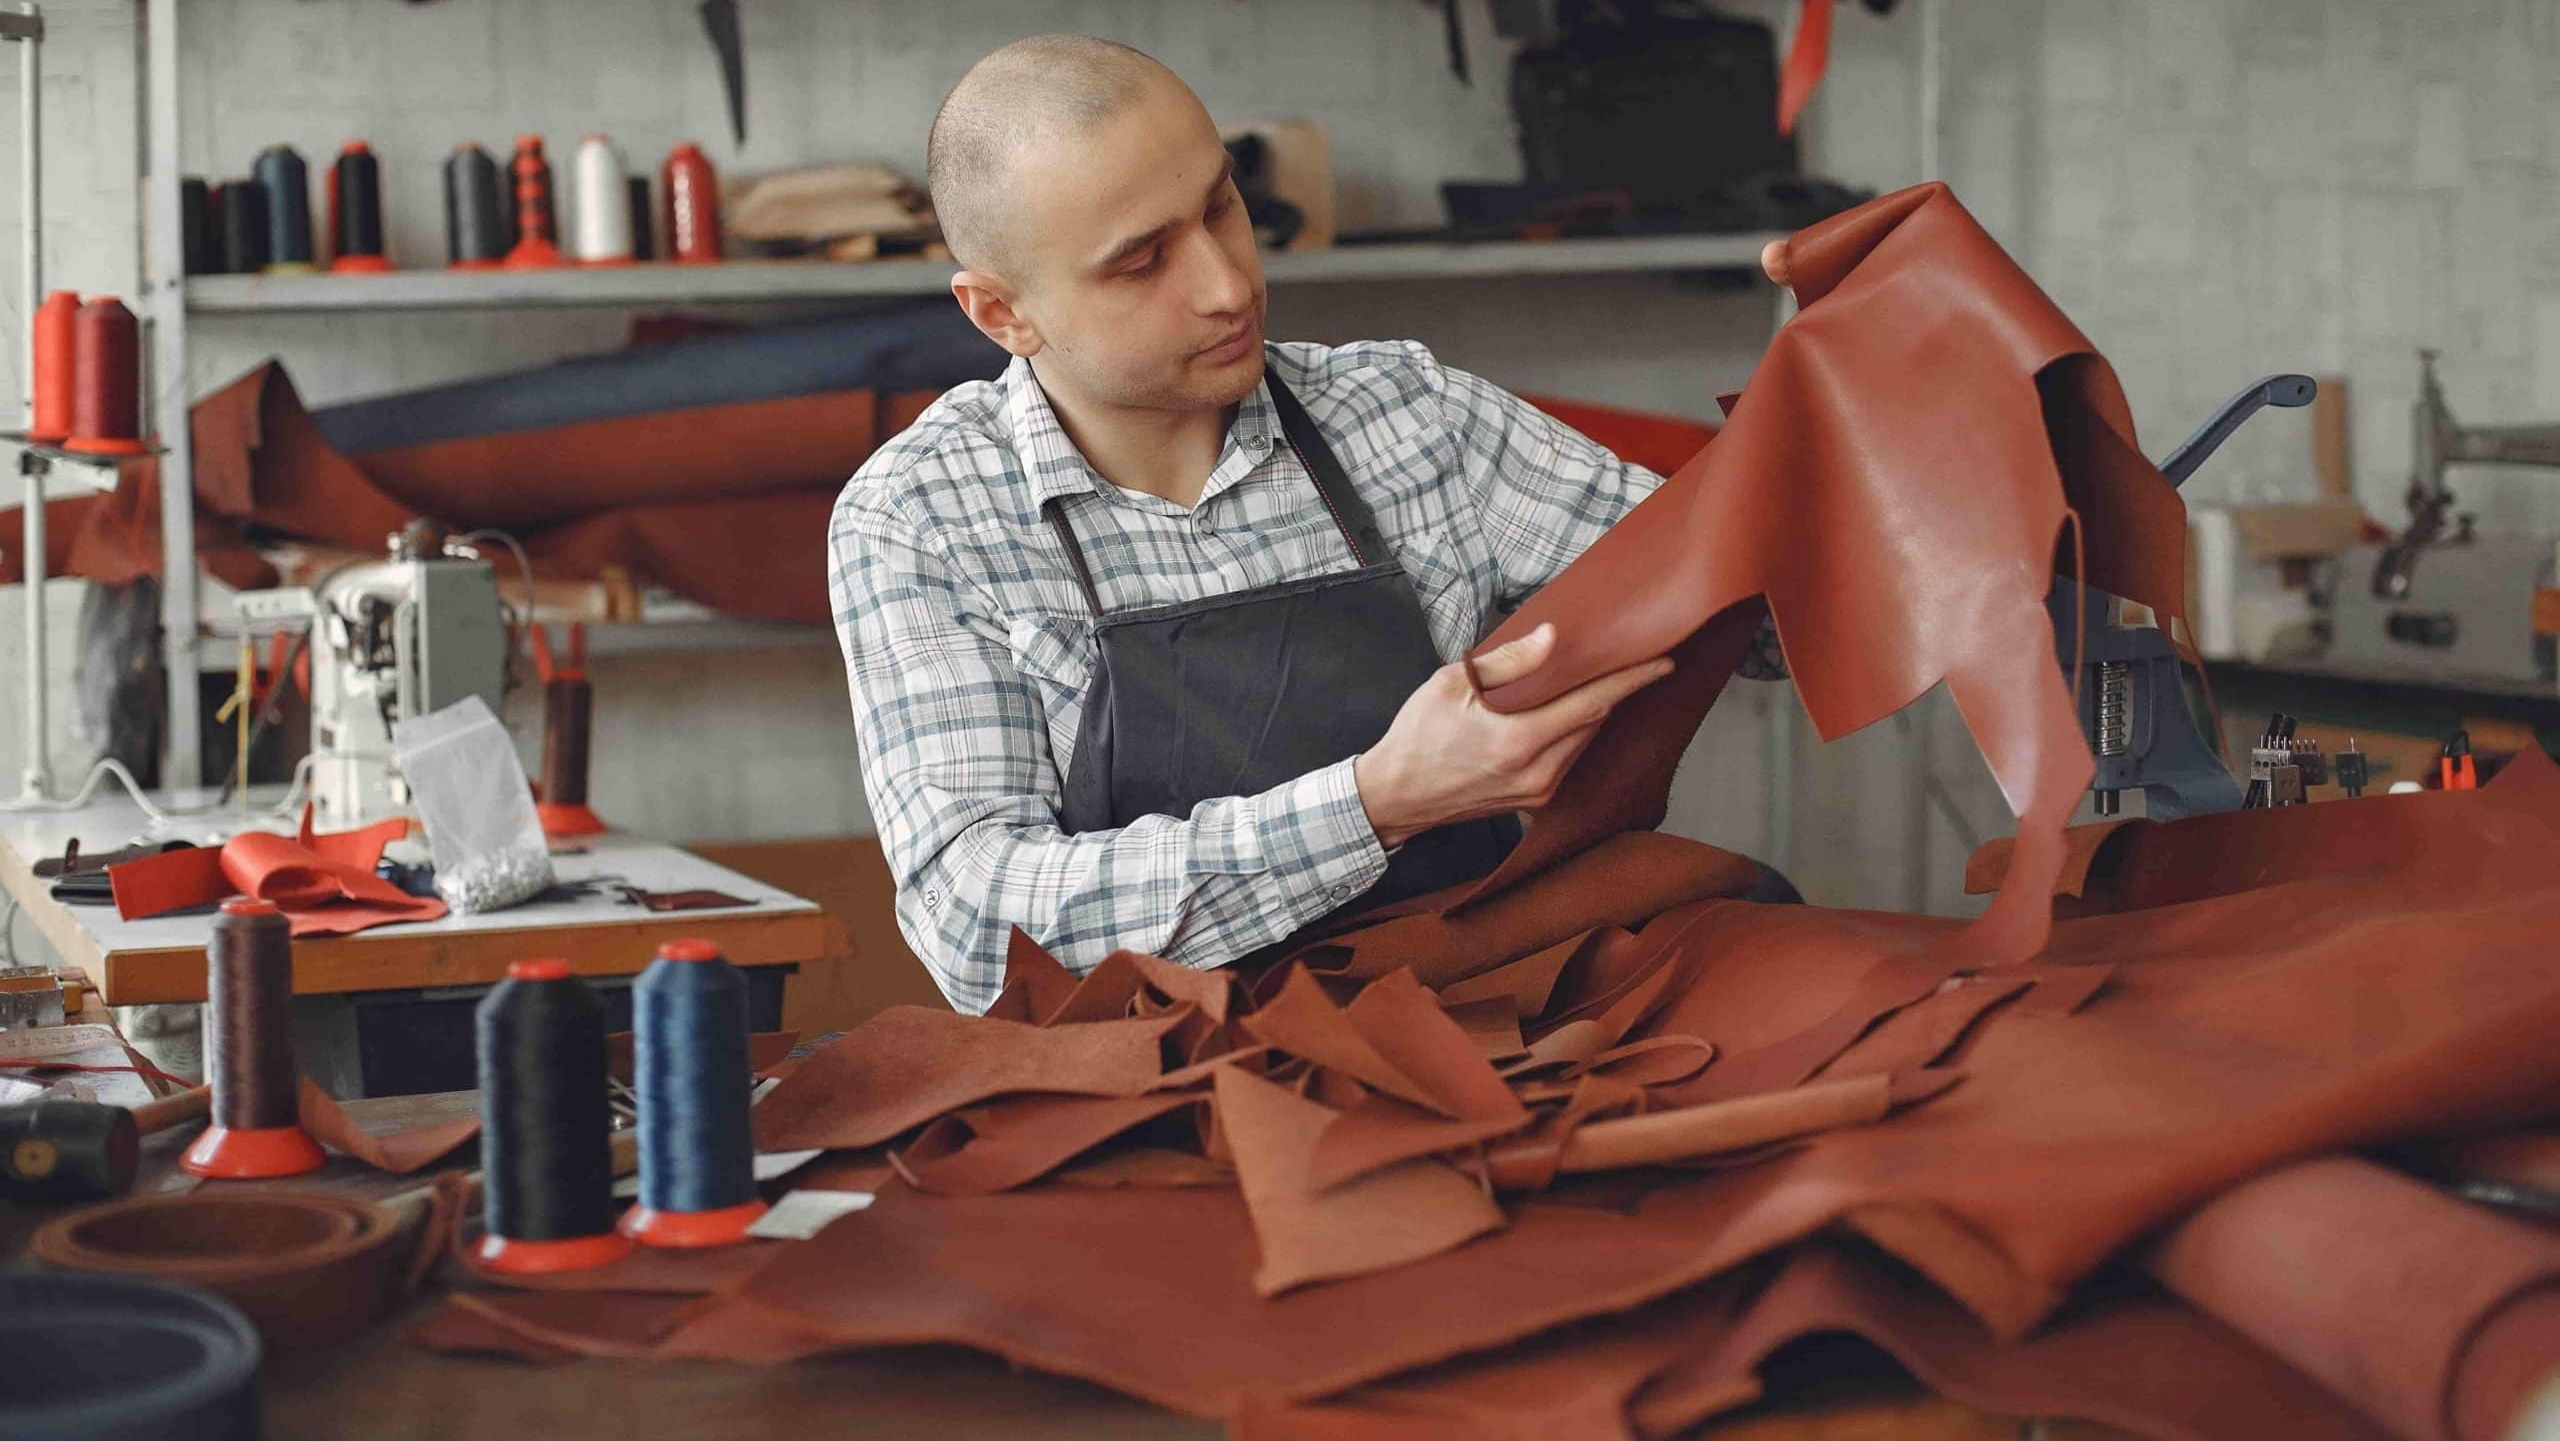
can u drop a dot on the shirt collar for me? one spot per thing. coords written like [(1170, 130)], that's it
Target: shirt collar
[(1056, 468)]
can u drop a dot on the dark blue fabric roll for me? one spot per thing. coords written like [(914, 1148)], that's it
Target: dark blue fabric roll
[(921, 344)]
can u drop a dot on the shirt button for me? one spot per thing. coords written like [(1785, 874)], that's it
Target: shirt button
[(1340, 893), (932, 900)]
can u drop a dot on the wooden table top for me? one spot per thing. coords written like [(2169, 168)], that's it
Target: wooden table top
[(161, 958)]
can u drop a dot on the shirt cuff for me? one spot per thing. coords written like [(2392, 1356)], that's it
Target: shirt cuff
[(1317, 838)]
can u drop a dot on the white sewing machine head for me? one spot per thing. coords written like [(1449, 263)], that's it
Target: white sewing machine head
[(389, 639)]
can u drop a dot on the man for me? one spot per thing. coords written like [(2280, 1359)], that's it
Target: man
[(1149, 640)]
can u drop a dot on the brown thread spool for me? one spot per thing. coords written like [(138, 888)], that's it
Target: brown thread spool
[(537, 233), (249, 1049), (57, 330), (691, 195), (106, 380), (568, 724)]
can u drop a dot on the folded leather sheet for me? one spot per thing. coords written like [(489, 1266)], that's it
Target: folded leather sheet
[(325, 884), (1564, 1122)]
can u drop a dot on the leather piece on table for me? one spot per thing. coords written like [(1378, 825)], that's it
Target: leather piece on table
[(1019, 1139), (2142, 1362), (1044, 1277), (907, 1065), (1881, 581), (1146, 1166), (1573, 1381), (2380, 1287), (399, 1152), (309, 1268), (1623, 881), (1922, 1033), (324, 883), (1382, 1131), (1385, 1219), (547, 1325)]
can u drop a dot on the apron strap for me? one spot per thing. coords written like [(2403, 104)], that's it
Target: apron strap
[(1350, 513)]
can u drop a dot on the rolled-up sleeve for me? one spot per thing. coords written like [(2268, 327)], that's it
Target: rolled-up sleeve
[(957, 766)]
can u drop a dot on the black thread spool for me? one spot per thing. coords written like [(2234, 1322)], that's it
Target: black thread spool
[(244, 227), (643, 220), (199, 227), (248, 1036), (355, 210), (689, 1045), (288, 184), (478, 226), (546, 1159)]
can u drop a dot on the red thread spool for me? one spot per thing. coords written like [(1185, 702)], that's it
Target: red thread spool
[(57, 331), (537, 242), (106, 380), (692, 200)]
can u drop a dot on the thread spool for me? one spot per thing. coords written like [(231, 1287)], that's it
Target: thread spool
[(248, 1036), (689, 1050), (199, 227), (355, 210), (568, 726), (690, 201), (56, 344), (644, 244), (478, 227), (106, 380), (288, 185), (537, 224), (545, 1157), (244, 227), (603, 216)]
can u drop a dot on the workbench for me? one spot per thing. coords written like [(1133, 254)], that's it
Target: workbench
[(382, 1386), (440, 962)]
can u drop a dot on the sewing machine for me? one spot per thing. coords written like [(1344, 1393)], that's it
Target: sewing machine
[(389, 639), (2440, 602)]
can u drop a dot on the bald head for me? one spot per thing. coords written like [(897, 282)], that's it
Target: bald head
[(1038, 90)]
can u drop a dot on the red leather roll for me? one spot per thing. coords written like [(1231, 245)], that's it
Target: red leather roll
[(692, 205), (106, 380), (56, 344)]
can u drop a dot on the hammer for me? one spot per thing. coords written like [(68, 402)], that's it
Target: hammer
[(82, 1150)]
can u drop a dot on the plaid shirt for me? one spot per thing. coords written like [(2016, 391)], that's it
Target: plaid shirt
[(969, 647)]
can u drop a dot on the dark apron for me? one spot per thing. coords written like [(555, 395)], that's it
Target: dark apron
[(1235, 694)]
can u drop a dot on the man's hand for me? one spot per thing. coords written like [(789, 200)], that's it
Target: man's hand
[(1447, 758)]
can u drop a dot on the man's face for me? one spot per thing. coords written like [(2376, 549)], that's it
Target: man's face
[(1134, 262)]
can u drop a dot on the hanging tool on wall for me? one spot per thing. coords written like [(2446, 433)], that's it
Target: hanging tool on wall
[(720, 21)]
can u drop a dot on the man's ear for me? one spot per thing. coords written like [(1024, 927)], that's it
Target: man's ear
[(988, 302)]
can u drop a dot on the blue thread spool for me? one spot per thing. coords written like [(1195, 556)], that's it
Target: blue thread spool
[(689, 1048)]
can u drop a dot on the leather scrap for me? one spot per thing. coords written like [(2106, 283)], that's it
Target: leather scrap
[(2413, 1305), (325, 884), (1401, 1213), (908, 1064), (398, 1152), (1016, 1140)]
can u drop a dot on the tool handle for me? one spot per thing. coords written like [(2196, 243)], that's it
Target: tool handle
[(169, 1111), (2283, 390)]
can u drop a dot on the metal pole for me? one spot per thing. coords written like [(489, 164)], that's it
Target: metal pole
[(165, 276), (36, 781)]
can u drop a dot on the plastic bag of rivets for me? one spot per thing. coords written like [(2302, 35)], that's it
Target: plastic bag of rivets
[(487, 841)]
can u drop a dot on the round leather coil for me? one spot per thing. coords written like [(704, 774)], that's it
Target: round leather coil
[(308, 1269)]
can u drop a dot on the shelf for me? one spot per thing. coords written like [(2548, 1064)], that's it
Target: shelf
[(744, 281), (606, 640)]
